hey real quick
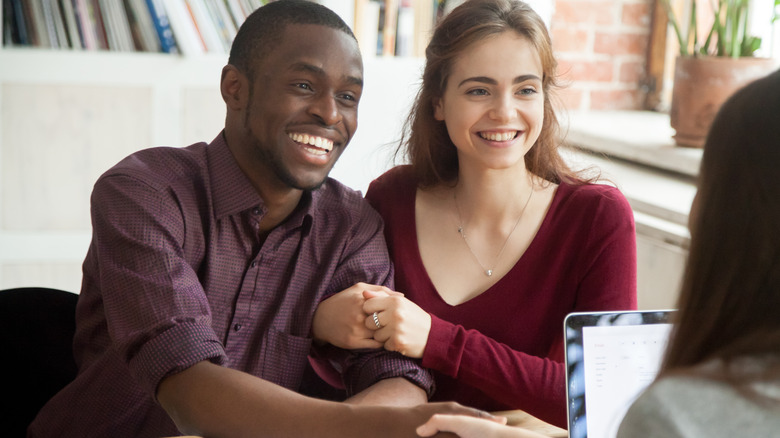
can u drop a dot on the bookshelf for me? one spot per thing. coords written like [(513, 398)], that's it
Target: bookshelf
[(69, 114), (191, 27)]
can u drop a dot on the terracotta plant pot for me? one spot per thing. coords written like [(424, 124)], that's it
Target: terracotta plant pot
[(701, 85)]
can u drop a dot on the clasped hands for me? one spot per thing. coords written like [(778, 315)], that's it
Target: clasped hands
[(346, 320)]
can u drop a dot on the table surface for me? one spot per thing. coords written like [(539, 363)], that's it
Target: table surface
[(516, 418)]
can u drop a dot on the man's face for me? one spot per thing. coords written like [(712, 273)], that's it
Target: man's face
[(302, 110)]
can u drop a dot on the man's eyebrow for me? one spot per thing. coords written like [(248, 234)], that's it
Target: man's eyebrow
[(491, 81), (306, 67)]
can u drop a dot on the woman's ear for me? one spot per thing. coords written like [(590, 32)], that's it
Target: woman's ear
[(234, 86), (438, 109)]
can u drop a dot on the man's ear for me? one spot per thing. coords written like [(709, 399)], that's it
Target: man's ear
[(438, 109), (234, 86)]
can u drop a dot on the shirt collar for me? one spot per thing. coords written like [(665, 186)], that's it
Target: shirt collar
[(233, 192)]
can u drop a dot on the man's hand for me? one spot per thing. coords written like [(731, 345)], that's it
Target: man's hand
[(339, 320)]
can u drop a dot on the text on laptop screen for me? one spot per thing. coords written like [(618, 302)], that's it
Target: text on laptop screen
[(619, 363)]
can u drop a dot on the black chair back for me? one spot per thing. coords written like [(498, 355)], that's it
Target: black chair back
[(36, 337)]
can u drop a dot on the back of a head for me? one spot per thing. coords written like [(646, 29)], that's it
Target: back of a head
[(263, 29), (731, 290)]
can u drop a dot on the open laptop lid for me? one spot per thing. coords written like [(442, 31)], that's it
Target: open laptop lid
[(610, 358)]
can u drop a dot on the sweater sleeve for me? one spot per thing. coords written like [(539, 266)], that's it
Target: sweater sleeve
[(513, 378), (606, 267)]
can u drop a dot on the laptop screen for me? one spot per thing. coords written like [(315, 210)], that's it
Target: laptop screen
[(610, 358)]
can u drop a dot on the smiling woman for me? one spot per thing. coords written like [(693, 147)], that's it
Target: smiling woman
[(493, 238)]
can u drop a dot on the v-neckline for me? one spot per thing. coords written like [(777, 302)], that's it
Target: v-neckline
[(418, 255)]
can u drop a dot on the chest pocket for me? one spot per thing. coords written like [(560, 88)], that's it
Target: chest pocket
[(284, 358)]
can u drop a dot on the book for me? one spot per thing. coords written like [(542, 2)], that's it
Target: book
[(367, 26), (249, 6), (19, 19), (231, 28), (188, 39), (142, 27), (96, 18), (425, 13), (71, 24), (389, 27), (162, 26), (223, 24), (57, 23), (205, 25), (404, 40), (83, 12), (40, 32), (122, 21), (237, 11), (109, 24)]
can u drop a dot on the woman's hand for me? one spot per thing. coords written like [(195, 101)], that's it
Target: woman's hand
[(472, 427), (339, 320), (404, 326)]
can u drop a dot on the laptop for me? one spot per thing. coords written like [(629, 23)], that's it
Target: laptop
[(610, 358)]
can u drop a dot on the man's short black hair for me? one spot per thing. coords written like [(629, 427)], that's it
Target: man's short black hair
[(262, 31)]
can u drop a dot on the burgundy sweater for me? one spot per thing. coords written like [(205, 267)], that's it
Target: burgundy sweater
[(504, 348)]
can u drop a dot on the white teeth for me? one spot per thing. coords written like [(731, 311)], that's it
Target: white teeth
[(498, 136), (320, 142), (316, 151)]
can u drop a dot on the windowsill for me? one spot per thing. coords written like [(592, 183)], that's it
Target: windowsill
[(641, 137), (635, 150)]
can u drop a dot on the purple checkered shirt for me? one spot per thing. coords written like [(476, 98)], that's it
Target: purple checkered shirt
[(175, 275)]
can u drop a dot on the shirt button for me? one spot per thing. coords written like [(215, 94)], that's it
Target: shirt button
[(254, 263), (236, 327), (256, 211)]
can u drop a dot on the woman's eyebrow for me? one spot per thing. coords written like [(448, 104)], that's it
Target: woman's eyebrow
[(491, 81)]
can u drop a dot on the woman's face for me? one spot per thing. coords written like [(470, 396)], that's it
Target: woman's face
[(493, 105)]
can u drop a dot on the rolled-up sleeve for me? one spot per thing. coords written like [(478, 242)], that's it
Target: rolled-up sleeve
[(157, 313)]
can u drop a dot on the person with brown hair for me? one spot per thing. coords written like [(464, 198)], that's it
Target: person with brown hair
[(493, 238), (720, 376)]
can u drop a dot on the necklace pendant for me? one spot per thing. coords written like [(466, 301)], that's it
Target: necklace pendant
[(489, 272)]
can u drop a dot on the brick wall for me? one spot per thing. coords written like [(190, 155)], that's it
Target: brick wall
[(601, 47)]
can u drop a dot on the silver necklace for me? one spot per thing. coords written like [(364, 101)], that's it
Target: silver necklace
[(462, 232)]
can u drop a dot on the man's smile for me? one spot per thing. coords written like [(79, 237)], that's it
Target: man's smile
[(321, 145)]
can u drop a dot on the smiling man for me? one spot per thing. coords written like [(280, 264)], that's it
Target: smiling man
[(207, 262)]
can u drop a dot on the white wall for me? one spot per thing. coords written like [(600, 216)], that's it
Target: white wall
[(67, 117)]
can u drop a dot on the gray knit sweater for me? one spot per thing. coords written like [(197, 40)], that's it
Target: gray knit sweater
[(697, 407)]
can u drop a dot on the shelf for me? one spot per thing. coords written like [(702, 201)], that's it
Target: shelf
[(35, 65), (641, 137)]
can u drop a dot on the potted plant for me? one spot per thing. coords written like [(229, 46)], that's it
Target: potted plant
[(707, 73)]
